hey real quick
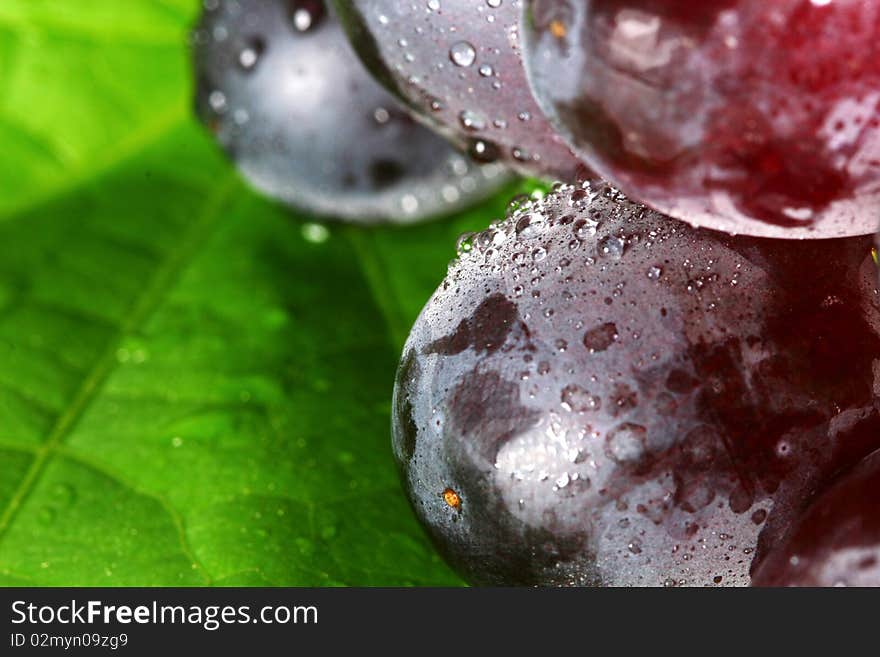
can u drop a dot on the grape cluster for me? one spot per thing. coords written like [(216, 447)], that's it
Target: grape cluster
[(667, 379)]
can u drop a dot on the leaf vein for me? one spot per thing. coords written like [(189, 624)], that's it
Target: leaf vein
[(91, 384)]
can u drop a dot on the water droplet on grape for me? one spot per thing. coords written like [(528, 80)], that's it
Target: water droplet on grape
[(462, 54)]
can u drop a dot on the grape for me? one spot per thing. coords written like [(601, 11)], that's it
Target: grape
[(837, 541), (282, 91), (457, 64), (748, 116), (599, 394)]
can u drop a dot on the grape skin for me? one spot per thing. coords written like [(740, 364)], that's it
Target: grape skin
[(615, 398), (747, 116), (457, 64), (287, 99), (837, 541)]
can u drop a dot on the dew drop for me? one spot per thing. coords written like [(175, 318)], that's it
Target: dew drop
[(471, 120), (482, 151), (626, 443), (217, 100), (306, 14), (462, 54), (315, 233), (578, 400), (612, 247), (250, 56), (529, 225)]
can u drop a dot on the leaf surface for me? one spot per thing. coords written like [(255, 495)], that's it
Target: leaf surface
[(193, 389)]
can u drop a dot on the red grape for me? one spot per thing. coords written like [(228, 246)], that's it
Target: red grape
[(837, 541), (610, 396), (457, 64), (748, 116), (286, 97)]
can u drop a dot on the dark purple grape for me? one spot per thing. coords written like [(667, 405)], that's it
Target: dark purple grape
[(748, 116), (837, 541), (282, 91), (598, 394), (457, 64)]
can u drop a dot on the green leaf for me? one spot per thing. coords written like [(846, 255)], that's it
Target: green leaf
[(191, 390)]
